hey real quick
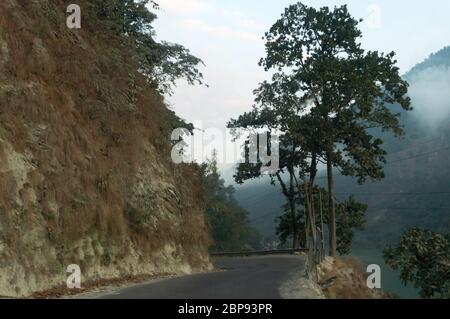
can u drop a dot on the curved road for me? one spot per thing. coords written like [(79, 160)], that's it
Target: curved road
[(237, 278)]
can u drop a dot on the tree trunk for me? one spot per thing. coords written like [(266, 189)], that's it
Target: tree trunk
[(322, 239), (331, 205), (295, 230), (313, 169), (290, 195), (309, 207)]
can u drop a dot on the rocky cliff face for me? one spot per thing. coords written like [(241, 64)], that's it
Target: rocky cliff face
[(85, 170)]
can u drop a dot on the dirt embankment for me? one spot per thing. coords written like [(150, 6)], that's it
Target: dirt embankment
[(345, 279), (85, 170)]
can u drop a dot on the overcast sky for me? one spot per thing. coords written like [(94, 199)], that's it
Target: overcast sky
[(227, 36)]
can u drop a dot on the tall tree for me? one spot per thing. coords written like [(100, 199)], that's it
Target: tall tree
[(346, 90)]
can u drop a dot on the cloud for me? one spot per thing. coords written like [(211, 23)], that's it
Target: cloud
[(222, 31), (241, 19), (184, 6), (250, 24), (430, 94), (232, 13)]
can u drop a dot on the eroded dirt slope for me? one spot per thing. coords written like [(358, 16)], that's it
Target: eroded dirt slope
[(85, 170)]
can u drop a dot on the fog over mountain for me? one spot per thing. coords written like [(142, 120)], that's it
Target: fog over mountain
[(430, 90)]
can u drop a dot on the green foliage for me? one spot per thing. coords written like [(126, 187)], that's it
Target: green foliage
[(167, 63), (284, 229), (350, 217), (423, 258), (229, 223), (162, 63), (128, 17)]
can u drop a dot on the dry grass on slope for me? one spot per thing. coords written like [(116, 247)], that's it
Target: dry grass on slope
[(85, 170), (345, 279)]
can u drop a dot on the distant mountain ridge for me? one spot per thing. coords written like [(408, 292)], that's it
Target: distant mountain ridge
[(440, 58)]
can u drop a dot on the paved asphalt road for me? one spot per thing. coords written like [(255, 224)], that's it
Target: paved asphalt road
[(237, 278)]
